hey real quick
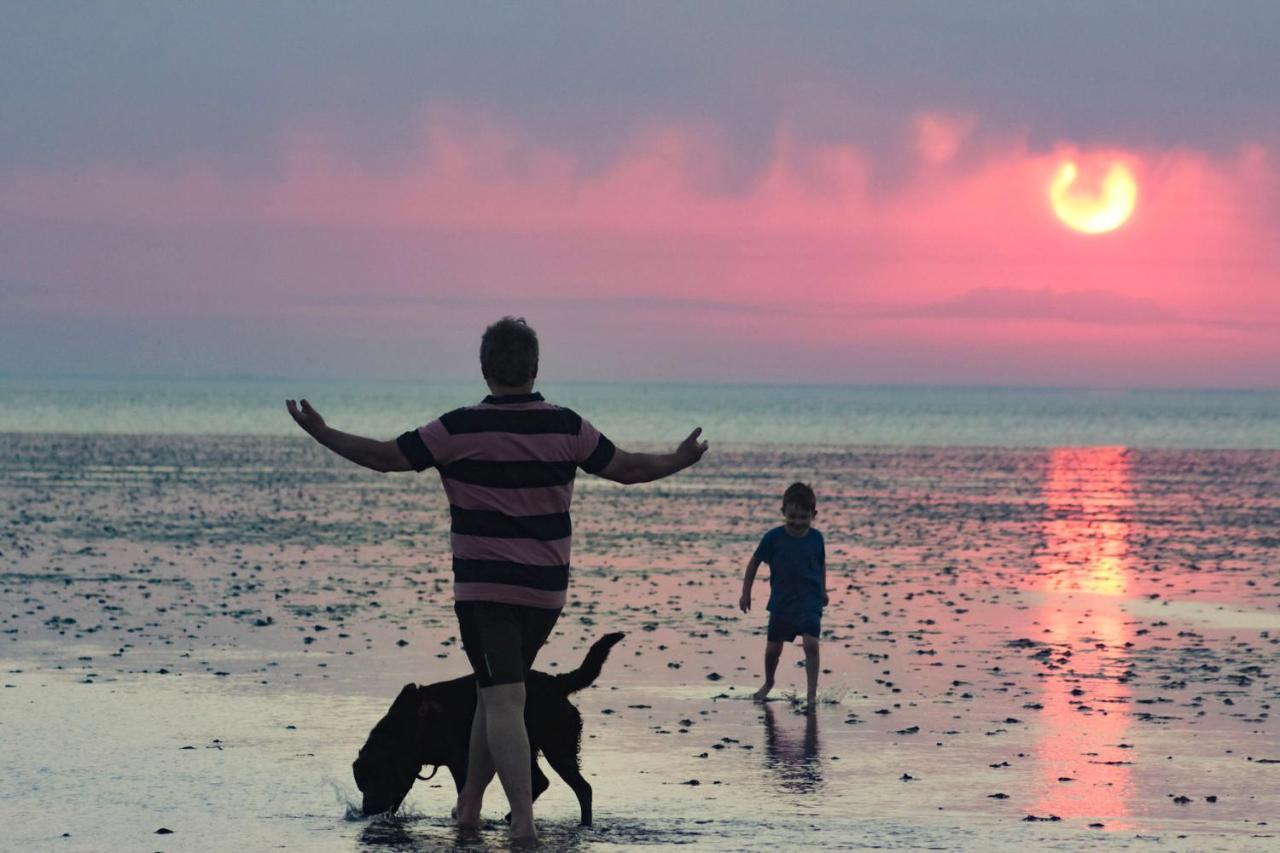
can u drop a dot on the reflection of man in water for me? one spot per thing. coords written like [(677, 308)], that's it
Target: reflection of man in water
[(795, 763)]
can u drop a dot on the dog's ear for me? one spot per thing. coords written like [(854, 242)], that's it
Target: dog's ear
[(404, 702)]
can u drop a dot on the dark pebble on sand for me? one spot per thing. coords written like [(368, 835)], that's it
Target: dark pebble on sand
[(402, 643), (164, 830), (999, 796), (1182, 801), (714, 676)]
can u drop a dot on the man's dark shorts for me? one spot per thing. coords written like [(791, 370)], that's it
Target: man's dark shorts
[(783, 627), (501, 640)]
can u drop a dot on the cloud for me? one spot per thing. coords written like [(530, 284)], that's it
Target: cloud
[(628, 305), (167, 84), (483, 220), (1088, 306), (938, 137)]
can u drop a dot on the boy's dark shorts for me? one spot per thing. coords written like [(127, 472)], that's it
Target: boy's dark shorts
[(783, 628), (501, 640)]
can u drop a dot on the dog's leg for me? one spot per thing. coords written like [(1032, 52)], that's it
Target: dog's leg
[(540, 781), (563, 759)]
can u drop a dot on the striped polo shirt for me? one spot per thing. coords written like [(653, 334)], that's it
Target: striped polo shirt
[(508, 466)]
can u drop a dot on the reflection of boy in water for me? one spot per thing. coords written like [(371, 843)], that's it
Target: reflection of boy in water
[(797, 765), (797, 560)]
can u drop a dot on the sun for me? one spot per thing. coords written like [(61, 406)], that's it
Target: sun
[(1093, 210)]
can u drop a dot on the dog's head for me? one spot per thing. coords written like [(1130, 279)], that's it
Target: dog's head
[(389, 761)]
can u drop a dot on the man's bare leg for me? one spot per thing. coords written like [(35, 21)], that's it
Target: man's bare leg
[(508, 749), (811, 669), (479, 771), (772, 651)]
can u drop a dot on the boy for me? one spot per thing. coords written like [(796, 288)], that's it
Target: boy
[(797, 561)]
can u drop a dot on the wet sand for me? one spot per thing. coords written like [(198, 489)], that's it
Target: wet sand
[(1036, 649)]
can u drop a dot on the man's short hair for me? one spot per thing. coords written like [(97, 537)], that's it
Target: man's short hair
[(509, 352), (801, 495)]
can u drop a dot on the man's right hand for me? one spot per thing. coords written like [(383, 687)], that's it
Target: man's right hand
[(306, 417), (745, 602), (691, 450)]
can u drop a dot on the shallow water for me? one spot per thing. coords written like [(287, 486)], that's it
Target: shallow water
[(1090, 632)]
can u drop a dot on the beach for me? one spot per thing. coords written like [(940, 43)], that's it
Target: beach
[(996, 282), (1026, 648)]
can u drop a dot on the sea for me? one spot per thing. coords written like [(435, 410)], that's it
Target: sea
[(656, 413)]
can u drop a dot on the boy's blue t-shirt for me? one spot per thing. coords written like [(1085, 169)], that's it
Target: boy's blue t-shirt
[(797, 568)]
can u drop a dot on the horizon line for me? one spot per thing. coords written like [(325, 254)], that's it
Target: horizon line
[(395, 380)]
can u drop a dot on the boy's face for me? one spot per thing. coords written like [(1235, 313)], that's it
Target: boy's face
[(798, 518)]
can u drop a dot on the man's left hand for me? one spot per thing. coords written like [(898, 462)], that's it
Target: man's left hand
[(305, 416)]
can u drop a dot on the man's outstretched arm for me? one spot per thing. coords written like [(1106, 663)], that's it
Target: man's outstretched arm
[(370, 453), (629, 468)]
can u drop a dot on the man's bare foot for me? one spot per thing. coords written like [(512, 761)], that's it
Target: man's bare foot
[(524, 835), (763, 692), (466, 815)]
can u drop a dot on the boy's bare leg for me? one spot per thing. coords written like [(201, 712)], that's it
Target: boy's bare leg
[(508, 743), (772, 651), (479, 771), (811, 669)]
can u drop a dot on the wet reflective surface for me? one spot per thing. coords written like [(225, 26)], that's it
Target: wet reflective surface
[(197, 637)]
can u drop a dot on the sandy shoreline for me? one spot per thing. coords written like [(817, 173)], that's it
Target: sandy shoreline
[(1101, 626)]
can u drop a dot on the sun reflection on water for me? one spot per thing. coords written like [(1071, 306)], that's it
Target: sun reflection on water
[(1082, 750)]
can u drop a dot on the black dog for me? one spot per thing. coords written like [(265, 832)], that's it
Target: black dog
[(432, 725)]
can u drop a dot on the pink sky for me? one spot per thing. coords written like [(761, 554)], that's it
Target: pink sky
[(925, 253)]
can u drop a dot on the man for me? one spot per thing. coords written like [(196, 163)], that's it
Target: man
[(508, 465)]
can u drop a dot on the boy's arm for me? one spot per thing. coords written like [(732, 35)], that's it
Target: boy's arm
[(368, 452), (747, 580), (826, 596), (630, 468)]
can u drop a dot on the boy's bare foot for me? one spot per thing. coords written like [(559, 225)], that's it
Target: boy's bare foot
[(763, 692)]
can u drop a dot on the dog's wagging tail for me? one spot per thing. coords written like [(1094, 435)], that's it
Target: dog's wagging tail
[(431, 725)]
